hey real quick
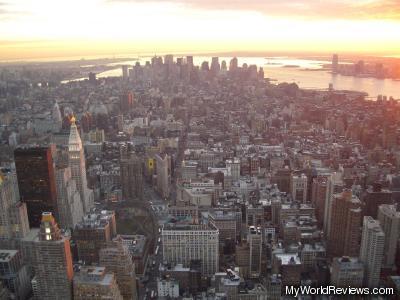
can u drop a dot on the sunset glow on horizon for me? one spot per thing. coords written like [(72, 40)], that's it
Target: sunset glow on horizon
[(48, 28)]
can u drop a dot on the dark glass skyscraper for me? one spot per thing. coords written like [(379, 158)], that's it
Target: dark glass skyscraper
[(36, 181)]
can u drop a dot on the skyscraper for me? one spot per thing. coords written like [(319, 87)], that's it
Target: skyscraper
[(36, 181), (78, 167), (215, 66), (371, 252), (124, 72), (254, 239), (334, 185), (126, 102), (298, 187), (389, 219), (52, 262), (13, 213), (233, 64), (163, 174), (344, 235), (335, 63), (131, 178), (70, 207), (56, 116)]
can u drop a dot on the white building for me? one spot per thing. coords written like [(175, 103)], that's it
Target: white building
[(234, 165), (69, 204), (185, 242), (389, 218), (371, 252), (167, 288), (78, 167)]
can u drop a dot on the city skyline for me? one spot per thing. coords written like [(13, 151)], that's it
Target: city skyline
[(107, 27)]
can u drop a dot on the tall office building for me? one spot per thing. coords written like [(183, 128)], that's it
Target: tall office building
[(131, 178), (233, 64), (184, 243), (36, 181), (117, 259), (298, 188), (335, 63), (389, 219), (92, 283), (52, 262), (344, 235), (124, 72), (56, 116), (189, 61), (373, 197), (334, 186), (215, 66), (13, 213), (371, 252), (69, 204), (254, 239), (163, 164), (78, 167), (318, 196), (93, 233), (126, 102)]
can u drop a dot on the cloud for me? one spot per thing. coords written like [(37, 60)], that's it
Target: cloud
[(337, 9)]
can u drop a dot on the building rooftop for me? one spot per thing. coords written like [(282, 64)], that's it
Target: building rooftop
[(7, 255)]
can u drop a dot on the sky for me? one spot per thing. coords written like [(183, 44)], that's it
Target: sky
[(65, 28)]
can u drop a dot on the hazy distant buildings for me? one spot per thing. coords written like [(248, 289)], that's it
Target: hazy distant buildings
[(36, 181), (126, 102), (335, 63), (124, 72), (371, 252)]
